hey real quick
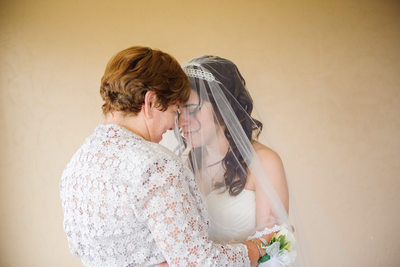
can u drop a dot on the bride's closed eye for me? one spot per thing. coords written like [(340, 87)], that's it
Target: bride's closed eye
[(191, 109)]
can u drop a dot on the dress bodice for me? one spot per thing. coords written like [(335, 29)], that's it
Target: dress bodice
[(232, 218)]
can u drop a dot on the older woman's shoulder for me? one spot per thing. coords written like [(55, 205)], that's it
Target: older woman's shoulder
[(160, 151), (146, 155)]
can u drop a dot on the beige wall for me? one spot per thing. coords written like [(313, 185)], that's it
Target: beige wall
[(324, 75)]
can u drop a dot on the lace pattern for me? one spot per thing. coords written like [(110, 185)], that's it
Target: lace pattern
[(266, 231), (129, 202)]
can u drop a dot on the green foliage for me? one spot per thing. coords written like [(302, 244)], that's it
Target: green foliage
[(283, 244), (264, 258)]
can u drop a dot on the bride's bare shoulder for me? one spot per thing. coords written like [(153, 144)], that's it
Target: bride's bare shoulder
[(266, 154), (273, 166)]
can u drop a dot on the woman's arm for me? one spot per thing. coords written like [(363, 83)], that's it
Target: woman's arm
[(168, 204)]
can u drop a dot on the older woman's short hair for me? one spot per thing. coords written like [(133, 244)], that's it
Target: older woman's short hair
[(136, 70)]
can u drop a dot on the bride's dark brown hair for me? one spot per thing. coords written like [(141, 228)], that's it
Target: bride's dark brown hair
[(233, 86)]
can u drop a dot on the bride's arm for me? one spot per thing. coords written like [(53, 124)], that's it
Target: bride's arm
[(272, 165)]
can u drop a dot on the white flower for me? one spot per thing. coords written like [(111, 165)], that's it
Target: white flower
[(277, 255), (273, 249), (283, 230), (282, 257), (292, 255), (289, 235)]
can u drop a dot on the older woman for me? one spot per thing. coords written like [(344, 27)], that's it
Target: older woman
[(127, 201)]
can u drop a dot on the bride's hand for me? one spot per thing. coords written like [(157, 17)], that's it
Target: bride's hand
[(268, 237), (162, 264)]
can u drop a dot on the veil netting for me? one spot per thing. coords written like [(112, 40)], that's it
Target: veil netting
[(217, 137)]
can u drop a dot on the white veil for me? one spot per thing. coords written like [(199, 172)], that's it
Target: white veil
[(219, 109), (217, 137)]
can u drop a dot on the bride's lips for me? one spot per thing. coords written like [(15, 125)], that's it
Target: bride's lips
[(187, 134)]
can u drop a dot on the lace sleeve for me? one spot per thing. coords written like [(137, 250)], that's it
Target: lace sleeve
[(164, 202)]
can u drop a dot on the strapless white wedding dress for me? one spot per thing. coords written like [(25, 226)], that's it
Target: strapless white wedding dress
[(232, 218)]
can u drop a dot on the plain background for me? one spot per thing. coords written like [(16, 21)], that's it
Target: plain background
[(324, 76)]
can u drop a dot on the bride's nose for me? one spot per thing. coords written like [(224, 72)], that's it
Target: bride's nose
[(181, 121)]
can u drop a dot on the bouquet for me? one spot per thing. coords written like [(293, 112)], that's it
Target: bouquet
[(280, 248)]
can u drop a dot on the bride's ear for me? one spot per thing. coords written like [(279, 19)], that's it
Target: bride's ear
[(149, 103)]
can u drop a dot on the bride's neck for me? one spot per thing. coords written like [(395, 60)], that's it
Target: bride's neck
[(217, 149)]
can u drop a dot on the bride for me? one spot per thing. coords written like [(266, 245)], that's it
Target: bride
[(242, 181)]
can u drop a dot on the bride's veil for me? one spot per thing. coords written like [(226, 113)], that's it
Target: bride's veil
[(217, 138)]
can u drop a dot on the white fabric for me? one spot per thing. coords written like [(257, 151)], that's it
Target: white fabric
[(232, 218), (218, 135), (129, 202), (266, 231), (216, 125), (214, 91)]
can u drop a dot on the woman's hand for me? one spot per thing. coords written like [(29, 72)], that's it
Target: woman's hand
[(162, 264)]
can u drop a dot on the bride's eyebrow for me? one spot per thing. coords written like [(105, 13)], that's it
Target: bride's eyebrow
[(190, 105)]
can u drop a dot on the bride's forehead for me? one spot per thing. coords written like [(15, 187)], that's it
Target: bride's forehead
[(194, 97)]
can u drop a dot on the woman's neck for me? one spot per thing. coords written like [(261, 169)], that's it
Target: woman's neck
[(134, 123)]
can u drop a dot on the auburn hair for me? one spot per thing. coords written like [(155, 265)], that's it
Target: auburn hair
[(136, 70)]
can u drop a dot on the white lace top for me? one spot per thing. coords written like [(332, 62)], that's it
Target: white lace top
[(129, 202)]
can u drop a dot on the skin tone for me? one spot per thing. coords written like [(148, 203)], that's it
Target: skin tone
[(212, 135), (273, 166), (151, 123), (194, 121), (196, 128)]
